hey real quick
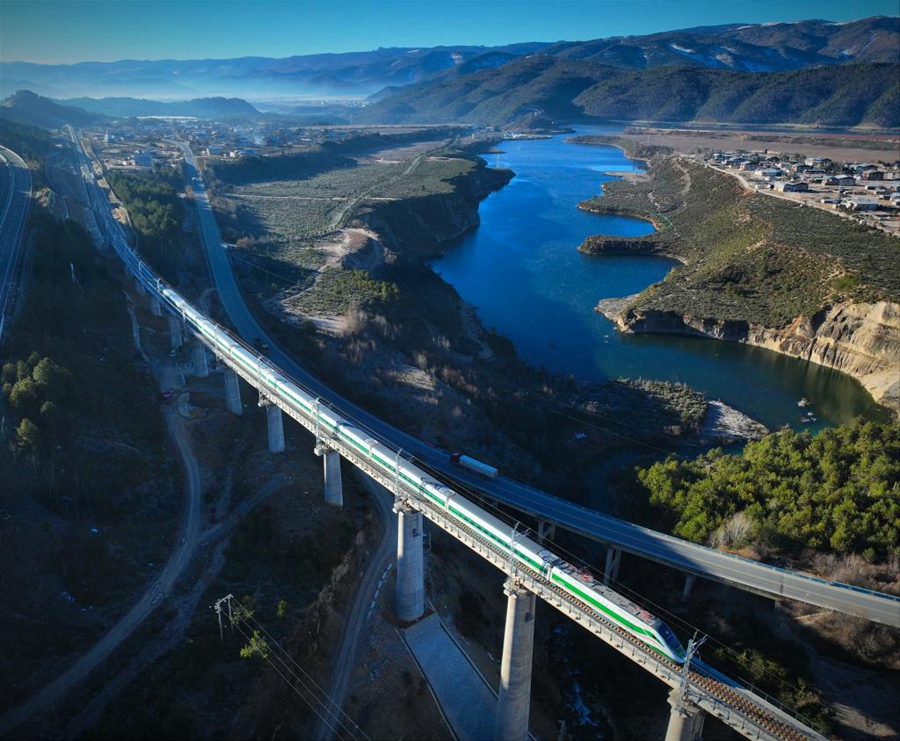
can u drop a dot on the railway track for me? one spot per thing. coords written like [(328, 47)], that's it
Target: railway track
[(728, 697)]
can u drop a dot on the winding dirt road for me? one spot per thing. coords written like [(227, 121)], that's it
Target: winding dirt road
[(180, 558), (346, 662)]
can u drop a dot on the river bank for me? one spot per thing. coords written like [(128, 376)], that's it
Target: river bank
[(377, 322), (422, 225), (859, 339), (522, 270)]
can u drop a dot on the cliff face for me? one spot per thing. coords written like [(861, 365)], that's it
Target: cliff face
[(622, 246), (862, 340), (422, 225)]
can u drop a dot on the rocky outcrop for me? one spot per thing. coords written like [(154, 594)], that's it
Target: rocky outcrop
[(422, 225), (861, 339), (726, 424), (621, 246)]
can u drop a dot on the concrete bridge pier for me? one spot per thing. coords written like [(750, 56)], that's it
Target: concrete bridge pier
[(546, 531), (685, 722), (155, 307), (174, 331), (410, 563), (514, 700), (613, 559), (275, 427), (233, 392), (334, 488), (198, 357), (688, 586)]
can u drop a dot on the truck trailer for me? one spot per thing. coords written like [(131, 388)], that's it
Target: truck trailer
[(470, 464)]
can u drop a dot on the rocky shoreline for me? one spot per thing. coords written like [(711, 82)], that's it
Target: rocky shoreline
[(727, 424), (768, 284), (862, 340), (421, 226)]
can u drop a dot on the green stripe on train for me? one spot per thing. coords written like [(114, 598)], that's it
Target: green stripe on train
[(599, 605), (535, 565)]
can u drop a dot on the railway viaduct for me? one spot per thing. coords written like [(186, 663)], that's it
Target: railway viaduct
[(697, 690)]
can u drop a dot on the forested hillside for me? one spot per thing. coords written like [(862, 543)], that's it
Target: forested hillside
[(838, 491), (542, 89)]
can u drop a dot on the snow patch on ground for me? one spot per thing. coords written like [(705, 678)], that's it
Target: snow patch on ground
[(682, 50)]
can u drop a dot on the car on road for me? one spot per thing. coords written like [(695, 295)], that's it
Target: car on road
[(168, 396), (260, 344)]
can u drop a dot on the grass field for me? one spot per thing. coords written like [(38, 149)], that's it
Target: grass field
[(280, 221), (305, 207)]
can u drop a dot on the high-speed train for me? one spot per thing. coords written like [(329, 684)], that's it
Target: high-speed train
[(529, 555)]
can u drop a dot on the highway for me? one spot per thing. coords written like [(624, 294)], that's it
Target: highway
[(734, 705), (15, 202), (705, 562)]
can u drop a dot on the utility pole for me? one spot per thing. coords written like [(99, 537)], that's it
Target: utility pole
[(693, 646), (218, 608)]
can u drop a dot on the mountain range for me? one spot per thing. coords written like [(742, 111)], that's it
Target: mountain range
[(26, 107), (769, 47), (543, 91), (199, 107)]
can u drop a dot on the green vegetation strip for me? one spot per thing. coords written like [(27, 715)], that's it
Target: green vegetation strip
[(837, 491)]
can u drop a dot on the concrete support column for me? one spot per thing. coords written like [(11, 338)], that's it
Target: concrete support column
[(546, 530), (155, 306), (613, 559), (174, 331), (276, 433), (334, 488), (685, 722), (410, 564), (139, 287), (514, 699), (688, 586), (201, 368), (233, 392)]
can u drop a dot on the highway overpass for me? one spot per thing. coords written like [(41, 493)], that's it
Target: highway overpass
[(682, 555)]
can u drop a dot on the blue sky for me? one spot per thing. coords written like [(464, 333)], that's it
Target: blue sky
[(75, 30)]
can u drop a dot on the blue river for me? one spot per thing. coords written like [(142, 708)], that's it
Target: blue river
[(522, 270)]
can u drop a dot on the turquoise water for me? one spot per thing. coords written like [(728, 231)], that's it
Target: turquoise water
[(523, 271)]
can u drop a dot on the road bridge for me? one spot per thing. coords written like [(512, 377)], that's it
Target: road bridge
[(691, 558), (699, 688)]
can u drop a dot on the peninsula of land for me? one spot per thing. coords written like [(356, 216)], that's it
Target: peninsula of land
[(757, 269)]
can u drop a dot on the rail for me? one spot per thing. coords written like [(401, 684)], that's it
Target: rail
[(735, 705)]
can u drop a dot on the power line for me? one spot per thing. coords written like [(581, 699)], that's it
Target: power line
[(291, 685), (331, 706), (328, 706)]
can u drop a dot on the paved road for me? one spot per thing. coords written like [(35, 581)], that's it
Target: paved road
[(15, 201), (469, 704), (358, 615), (705, 562), (147, 603)]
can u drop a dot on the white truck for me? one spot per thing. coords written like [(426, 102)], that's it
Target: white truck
[(476, 467)]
